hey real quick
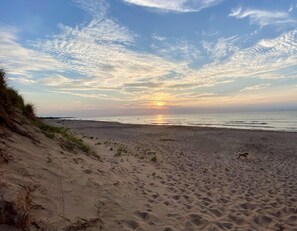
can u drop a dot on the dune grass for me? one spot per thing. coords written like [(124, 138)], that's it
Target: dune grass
[(71, 142), (121, 151), (2, 79), (11, 101)]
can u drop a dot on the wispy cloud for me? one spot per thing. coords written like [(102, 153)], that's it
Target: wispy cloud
[(221, 48), (96, 8), (158, 37), (102, 51), (177, 50), (256, 87), (262, 17), (262, 60), (21, 61), (176, 5), (56, 80)]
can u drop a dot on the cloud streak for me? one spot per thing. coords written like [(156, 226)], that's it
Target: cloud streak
[(20, 61), (256, 87), (222, 47), (262, 17), (181, 6)]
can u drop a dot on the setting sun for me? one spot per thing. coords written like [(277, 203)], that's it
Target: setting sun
[(160, 104)]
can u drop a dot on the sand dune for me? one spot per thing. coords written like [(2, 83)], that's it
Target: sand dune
[(156, 178)]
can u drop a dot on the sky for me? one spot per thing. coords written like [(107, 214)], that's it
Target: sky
[(133, 57)]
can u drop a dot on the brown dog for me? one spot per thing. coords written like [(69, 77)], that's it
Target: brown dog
[(242, 155)]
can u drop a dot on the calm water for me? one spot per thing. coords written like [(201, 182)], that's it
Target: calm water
[(277, 121)]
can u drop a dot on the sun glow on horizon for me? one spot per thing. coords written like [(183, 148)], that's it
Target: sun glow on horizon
[(160, 100), (160, 104)]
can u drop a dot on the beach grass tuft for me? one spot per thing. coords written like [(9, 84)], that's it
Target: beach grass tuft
[(121, 151), (72, 142), (11, 101), (29, 110)]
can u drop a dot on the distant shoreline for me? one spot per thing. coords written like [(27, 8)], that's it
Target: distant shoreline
[(170, 125), (55, 117), (131, 125), (285, 121)]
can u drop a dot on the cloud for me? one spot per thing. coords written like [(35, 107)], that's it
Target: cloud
[(95, 96), (112, 65), (221, 48), (158, 37), (177, 50), (56, 80), (101, 53), (175, 5), (20, 61), (96, 8), (263, 17), (142, 84), (256, 61), (256, 87), (195, 95)]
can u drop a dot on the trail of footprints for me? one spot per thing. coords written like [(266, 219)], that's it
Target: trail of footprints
[(193, 197), (211, 204)]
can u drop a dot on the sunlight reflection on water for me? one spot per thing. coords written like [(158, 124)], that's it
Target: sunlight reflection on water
[(278, 121)]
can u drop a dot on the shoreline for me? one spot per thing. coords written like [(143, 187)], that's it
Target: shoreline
[(167, 125), (283, 121)]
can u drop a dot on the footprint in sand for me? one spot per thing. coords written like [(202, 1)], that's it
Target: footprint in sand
[(224, 226), (262, 220), (148, 217), (143, 215), (131, 224), (176, 197), (197, 220), (216, 212), (166, 203), (168, 229)]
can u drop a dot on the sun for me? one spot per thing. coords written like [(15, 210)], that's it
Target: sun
[(159, 100), (160, 104)]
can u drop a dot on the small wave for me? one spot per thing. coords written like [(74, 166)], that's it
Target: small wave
[(246, 122), (247, 126)]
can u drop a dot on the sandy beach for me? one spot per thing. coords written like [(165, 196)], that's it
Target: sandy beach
[(166, 178)]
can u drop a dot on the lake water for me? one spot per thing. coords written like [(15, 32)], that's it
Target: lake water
[(276, 121)]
